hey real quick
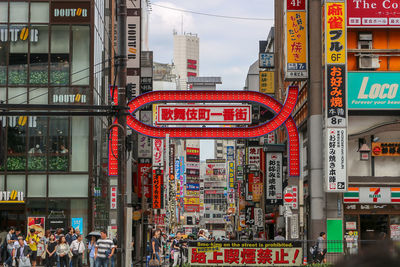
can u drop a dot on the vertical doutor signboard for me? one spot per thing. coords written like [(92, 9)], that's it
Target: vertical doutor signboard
[(335, 96), (296, 40), (133, 25)]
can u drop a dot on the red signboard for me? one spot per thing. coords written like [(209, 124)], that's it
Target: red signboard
[(143, 179), (157, 182), (113, 139), (295, 5), (192, 208), (373, 13), (203, 114)]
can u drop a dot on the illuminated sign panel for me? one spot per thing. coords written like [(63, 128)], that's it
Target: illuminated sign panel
[(203, 114)]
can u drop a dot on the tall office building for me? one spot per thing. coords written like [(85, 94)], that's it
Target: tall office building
[(186, 58)]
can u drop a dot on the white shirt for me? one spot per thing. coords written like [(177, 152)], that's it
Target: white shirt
[(76, 245)]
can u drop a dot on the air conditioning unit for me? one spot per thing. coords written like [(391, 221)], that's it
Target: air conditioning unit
[(368, 62)]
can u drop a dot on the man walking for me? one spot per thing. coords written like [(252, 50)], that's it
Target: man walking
[(23, 253), (70, 237), (10, 246), (104, 250), (78, 249)]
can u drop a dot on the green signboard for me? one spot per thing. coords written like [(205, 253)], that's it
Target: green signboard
[(373, 90), (334, 235)]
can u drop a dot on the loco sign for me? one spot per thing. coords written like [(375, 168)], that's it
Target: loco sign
[(282, 117)]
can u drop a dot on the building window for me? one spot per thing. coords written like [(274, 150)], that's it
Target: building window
[(59, 58)]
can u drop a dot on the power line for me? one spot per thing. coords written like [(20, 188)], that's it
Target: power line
[(212, 15)]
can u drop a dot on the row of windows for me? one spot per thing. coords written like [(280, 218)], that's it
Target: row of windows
[(23, 12)]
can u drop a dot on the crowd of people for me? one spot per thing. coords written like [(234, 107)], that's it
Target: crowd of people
[(57, 249)]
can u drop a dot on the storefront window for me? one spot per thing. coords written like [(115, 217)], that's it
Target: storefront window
[(68, 186), (2, 181), (38, 95), (18, 57), (3, 12), (37, 144), (59, 58), (39, 56), (59, 144), (19, 12), (79, 209), (3, 57), (39, 12), (80, 55), (80, 143), (3, 95), (37, 186), (16, 182), (16, 143), (17, 95)]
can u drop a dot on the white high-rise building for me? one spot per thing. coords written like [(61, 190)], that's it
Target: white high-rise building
[(186, 58)]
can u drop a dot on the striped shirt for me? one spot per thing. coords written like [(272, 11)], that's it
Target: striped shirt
[(102, 246)]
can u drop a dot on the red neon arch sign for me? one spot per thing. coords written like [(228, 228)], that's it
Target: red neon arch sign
[(282, 117)]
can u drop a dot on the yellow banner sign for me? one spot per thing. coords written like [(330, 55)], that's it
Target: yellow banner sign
[(296, 44), (267, 85), (335, 33), (192, 200)]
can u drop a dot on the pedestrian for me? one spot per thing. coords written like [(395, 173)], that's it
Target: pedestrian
[(63, 251), (202, 236), (33, 240), (23, 253), (77, 249), (279, 236), (70, 236), (177, 249), (42, 247), (91, 249), (155, 245), (104, 250), (321, 248), (10, 246), (51, 249)]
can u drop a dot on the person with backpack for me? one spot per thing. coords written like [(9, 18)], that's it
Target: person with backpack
[(318, 251), (10, 239)]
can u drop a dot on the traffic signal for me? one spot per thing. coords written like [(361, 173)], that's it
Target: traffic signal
[(270, 218)]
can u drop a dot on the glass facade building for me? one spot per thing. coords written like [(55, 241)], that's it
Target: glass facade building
[(52, 52)]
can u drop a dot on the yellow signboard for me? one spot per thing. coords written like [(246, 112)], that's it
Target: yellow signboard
[(335, 33), (296, 44), (267, 84), (192, 200)]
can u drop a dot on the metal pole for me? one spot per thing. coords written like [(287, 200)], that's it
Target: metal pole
[(317, 196), (121, 26)]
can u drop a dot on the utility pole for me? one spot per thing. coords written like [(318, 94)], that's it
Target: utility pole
[(122, 58), (317, 195)]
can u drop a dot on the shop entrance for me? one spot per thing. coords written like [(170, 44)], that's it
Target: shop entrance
[(12, 216), (374, 227)]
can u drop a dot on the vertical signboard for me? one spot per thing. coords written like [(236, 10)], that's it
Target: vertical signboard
[(158, 152), (296, 40), (335, 143), (157, 184), (267, 84), (133, 25), (113, 138), (144, 142), (273, 183)]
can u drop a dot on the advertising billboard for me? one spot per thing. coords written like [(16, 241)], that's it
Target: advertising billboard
[(373, 90), (335, 160), (274, 177), (373, 13)]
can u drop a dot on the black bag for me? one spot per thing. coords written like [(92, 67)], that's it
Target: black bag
[(75, 252)]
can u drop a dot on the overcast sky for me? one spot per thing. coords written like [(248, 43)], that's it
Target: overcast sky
[(227, 46)]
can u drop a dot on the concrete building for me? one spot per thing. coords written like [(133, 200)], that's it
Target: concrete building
[(186, 58)]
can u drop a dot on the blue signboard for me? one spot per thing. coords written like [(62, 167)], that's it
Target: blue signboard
[(266, 60), (77, 223), (373, 90), (193, 187)]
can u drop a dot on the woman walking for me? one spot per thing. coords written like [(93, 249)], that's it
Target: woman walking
[(62, 251), (91, 250), (51, 249)]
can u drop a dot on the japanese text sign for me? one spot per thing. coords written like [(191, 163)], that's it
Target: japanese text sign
[(296, 41), (373, 13), (274, 170), (336, 95), (204, 114), (113, 198), (336, 160), (267, 85), (391, 149), (157, 183), (266, 60), (335, 34), (295, 4), (158, 152), (244, 253)]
